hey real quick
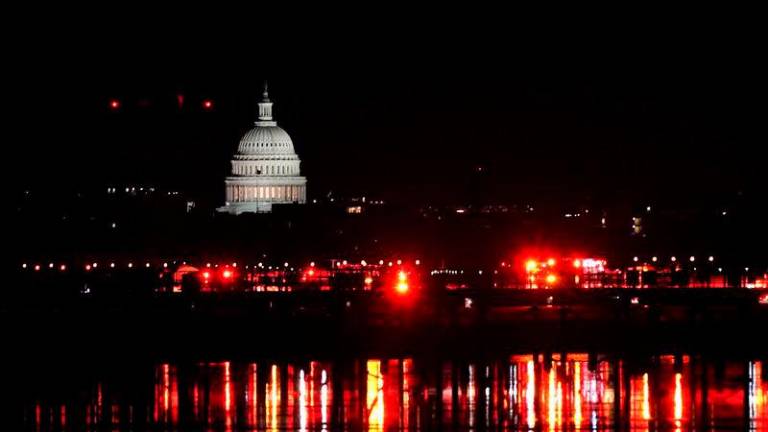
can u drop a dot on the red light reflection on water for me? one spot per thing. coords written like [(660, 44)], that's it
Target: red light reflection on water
[(535, 391), (166, 407)]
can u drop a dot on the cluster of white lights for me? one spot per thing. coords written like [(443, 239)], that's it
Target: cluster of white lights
[(364, 263), (446, 272)]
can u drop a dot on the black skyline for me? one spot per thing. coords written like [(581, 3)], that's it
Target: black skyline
[(619, 123)]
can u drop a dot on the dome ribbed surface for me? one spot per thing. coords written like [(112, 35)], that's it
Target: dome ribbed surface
[(266, 140)]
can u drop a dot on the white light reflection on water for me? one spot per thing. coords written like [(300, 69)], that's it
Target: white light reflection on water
[(538, 392)]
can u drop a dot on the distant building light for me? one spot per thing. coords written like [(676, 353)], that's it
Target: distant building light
[(635, 259), (654, 259), (114, 104), (207, 104), (50, 265), (95, 265), (146, 265), (354, 209), (417, 262), (24, 265), (63, 267), (112, 265), (37, 267), (692, 258), (673, 259), (130, 265), (711, 258), (648, 209)]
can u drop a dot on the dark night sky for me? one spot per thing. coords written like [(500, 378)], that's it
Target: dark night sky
[(548, 116)]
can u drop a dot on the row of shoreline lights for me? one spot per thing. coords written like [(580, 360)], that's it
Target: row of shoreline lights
[(364, 263), (86, 267), (692, 259), (673, 258), (130, 265)]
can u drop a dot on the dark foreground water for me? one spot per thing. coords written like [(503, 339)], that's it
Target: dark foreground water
[(571, 391)]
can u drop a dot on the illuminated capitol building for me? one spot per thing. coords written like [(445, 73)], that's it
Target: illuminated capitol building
[(265, 168)]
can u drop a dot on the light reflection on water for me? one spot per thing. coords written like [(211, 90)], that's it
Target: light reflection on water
[(522, 392)]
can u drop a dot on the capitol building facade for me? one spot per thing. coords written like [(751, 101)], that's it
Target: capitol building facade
[(265, 168)]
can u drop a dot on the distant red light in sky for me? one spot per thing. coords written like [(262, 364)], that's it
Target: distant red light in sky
[(208, 104), (180, 100), (114, 104)]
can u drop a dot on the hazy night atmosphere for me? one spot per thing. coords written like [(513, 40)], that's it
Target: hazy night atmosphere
[(471, 232)]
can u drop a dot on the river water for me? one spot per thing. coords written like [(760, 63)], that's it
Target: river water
[(570, 391)]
